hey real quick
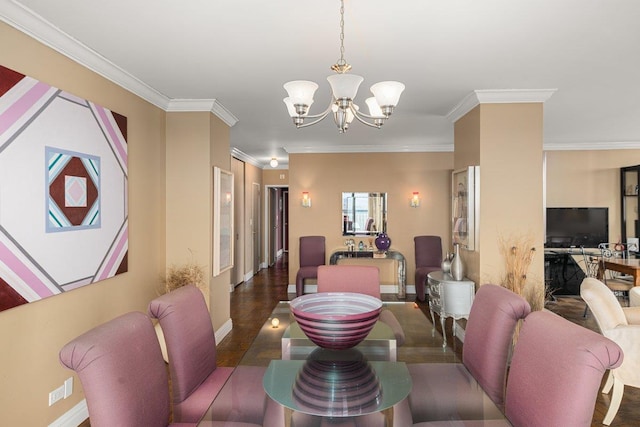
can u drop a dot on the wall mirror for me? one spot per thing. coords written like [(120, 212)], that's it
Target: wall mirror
[(364, 214)]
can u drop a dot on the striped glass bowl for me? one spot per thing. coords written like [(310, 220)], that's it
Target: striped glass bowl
[(336, 320)]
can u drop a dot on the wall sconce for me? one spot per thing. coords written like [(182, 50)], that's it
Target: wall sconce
[(306, 200), (415, 199)]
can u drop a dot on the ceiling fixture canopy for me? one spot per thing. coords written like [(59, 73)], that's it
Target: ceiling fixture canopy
[(344, 88)]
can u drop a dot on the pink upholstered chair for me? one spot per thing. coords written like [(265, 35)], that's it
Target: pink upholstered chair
[(363, 279), (312, 254), (622, 325), (122, 373), (442, 390), (195, 377), (428, 251), (554, 361)]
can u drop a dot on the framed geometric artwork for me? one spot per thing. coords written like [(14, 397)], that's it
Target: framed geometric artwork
[(63, 191), (464, 189)]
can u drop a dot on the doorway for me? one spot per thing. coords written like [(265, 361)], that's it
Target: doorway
[(277, 230)]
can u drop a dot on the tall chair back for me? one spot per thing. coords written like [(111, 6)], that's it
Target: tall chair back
[(489, 336), (553, 359), (312, 254), (191, 348), (447, 391), (428, 257), (363, 279), (122, 372)]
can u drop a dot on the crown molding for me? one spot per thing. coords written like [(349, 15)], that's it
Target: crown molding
[(210, 105), (425, 148), (498, 96), (593, 145), (240, 155), (43, 31), (32, 24)]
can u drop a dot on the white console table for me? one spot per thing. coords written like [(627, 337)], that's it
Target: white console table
[(449, 298)]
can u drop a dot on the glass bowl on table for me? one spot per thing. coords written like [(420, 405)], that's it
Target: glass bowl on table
[(336, 320)]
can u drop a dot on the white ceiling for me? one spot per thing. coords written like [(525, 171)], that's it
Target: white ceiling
[(240, 52)]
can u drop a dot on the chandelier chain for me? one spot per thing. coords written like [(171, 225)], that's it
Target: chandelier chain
[(341, 32), (341, 66)]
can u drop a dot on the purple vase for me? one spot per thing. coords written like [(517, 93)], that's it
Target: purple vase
[(383, 242)]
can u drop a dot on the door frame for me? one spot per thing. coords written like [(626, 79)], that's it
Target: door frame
[(267, 219)]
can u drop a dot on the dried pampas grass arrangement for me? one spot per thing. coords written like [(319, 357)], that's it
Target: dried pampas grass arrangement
[(178, 276), (518, 253)]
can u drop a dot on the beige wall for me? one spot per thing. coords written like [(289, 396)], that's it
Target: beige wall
[(506, 141), (196, 142), (326, 176), (275, 177), (253, 175), (588, 179), (170, 181), (33, 334), (219, 148)]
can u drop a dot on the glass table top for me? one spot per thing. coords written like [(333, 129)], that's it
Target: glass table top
[(340, 383), (300, 375)]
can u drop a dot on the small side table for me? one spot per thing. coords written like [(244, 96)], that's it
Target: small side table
[(449, 298)]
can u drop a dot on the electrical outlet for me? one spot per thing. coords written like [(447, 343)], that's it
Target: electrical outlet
[(68, 387), (56, 395)]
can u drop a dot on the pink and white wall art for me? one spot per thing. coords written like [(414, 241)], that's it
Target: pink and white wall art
[(63, 191)]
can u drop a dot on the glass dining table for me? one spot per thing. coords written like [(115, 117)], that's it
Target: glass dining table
[(367, 379)]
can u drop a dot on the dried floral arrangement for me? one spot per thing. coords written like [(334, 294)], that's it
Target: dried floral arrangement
[(183, 275), (518, 253)]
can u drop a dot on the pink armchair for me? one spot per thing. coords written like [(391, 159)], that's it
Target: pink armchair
[(122, 373), (428, 252), (444, 390), (196, 379), (362, 279), (312, 255)]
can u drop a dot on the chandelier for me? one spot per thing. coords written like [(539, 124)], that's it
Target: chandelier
[(344, 88)]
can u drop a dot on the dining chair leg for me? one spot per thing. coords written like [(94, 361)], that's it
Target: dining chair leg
[(616, 398), (608, 383)]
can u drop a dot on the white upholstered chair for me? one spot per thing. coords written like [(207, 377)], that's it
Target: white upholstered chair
[(634, 297), (622, 325)]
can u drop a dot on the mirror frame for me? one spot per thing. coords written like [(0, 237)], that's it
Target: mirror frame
[(379, 218)]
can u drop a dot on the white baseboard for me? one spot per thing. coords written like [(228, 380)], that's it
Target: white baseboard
[(248, 276), (74, 417), (459, 331), (224, 330)]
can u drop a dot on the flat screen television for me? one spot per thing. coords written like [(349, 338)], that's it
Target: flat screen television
[(575, 227)]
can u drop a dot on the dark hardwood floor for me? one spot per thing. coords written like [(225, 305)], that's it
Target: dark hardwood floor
[(253, 301)]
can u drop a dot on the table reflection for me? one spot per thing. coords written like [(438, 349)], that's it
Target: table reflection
[(337, 383)]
